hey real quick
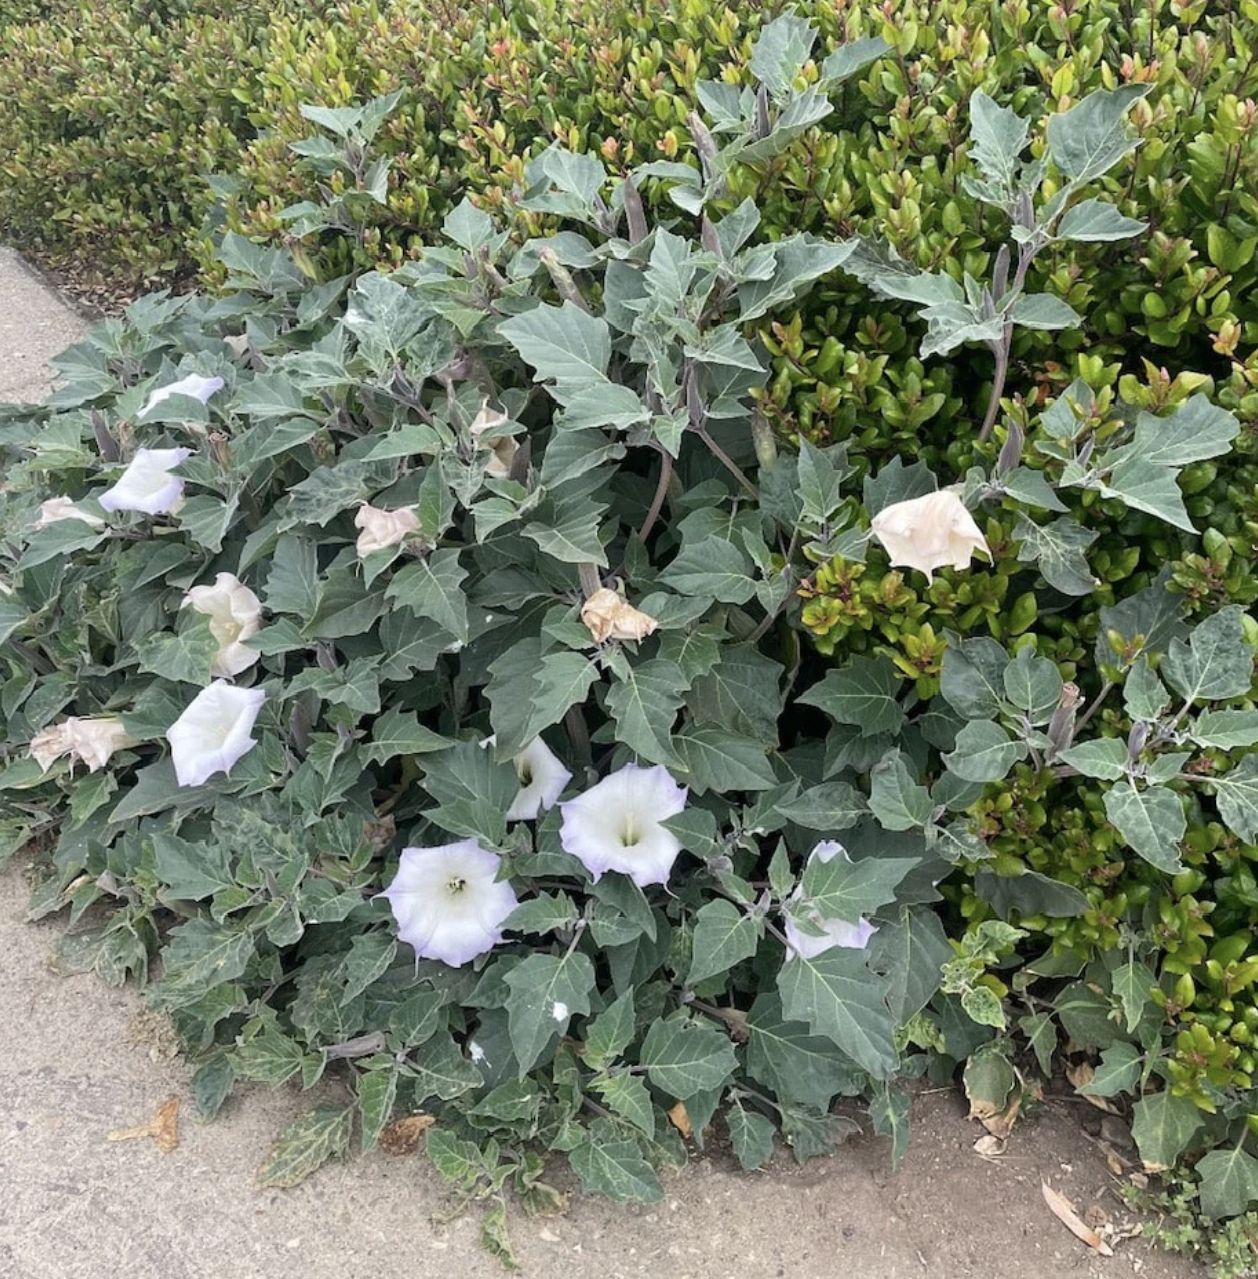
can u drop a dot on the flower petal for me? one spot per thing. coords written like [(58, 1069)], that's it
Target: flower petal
[(615, 825), (448, 901), (214, 732)]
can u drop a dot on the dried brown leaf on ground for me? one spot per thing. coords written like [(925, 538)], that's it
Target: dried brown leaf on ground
[(163, 1128), (402, 1136), (1064, 1211)]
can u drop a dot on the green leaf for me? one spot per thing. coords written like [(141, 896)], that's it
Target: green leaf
[(458, 1161), (1058, 549), (742, 694), (1229, 1182), (568, 531), (798, 1066), (799, 260), (835, 996), (370, 956), (683, 1056), (722, 762), (1033, 684), (628, 1096), (201, 954), (1143, 623), (293, 584), (840, 888), (1097, 220), (1030, 893), (1044, 311), (1133, 983), (206, 519), (751, 1136), (1024, 484), (418, 1018), (377, 1091), (398, 732), (644, 701), (897, 482), (1090, 138), (562, 680), (910, 951), (1217, 662), (1041, 1037), (432, 588), (862, 693), (832, 806), (780, 52), (191, 871), (306, 1144), (1118, 1072), (984, 752), (821, 476), (1196, 430), (563, 343), (472, 791), (611, 1032), (1146, 486), (1151, 821), (1236, 794), (614, 1167), (1105, 757), (545, 913), (270, 1058), (988, 1078), (12, 616), (889, 1110), (1162, 1126), (546, 991), (852, 57), (998, 137), (1144, 696), (972, 682), (181, 656), (723, 937), (895, 799), (438, 1069), (1225, 729), (714, 568)]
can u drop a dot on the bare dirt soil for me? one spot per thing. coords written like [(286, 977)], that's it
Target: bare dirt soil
[(80, 1060)]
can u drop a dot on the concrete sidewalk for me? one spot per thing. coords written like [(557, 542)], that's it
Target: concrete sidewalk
[(79, 1060), (35, 324)]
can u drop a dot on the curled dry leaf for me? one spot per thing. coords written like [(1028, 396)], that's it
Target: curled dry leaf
[(610, 616), (401, 1137), (163, 1128), (1064, 1211), (1000, 1124), (680, 1120)]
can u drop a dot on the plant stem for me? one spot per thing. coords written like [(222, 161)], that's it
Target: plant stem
[(661, 490), (1094, 706), (1001, 350), (726, 461)]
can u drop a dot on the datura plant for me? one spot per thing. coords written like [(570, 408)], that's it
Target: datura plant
[(413, 662)]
